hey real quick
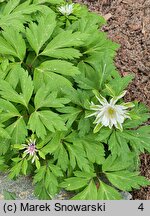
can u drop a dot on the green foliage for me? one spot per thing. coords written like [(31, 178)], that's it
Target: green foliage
[(45, 119), (62, 45), (47, 176), (114, 90), (107, 192), (46, 25), (120, 177), (51, 67), (12, 43), (9, 195), (15, 14)]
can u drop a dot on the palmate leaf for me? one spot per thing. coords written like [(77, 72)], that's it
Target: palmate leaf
[(80, 180), (104, 66), (86, 175), (53, 143), (89, 78), (67, 39), (5, 144), (125, 180), (114, 90), (7, 91), (47, 176), (106, 192), (24, 166), (56, 170), (12, 43), (88, 23), (118, 145), (89, 193), (139, 114), (15, 170), (78, 157), (61, 45), (12, 76), (26, 86), (56, 147), (41, 192), (10, 6), (69, 114), (84, 126), (17, 131), (139, 140), (116, 163), (62, 53), (3, 132), (94, 149), (15, 14), (59, 66), (62, 158), (40, 174), (118, 174), (6, 48), (9, 110), (78, 97), (99, 43), (46, 119), (103, 134), (36, 125), (50, 181), (55, 81), (45, 98), (74, 183), (4, 63), (37, 35)]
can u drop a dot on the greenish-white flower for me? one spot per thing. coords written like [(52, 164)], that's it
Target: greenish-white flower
[(109, 114), (66, 9)]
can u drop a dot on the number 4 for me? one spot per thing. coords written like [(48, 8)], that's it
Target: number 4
[(141, 207)]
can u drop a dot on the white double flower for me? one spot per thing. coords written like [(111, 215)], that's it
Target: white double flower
[(66, 9), (109, 113)]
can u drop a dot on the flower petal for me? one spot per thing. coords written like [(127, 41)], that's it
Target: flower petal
[(105, 121), (128, 104), (115, 99), (119, 126), (102, 100), (93, 114), (97, 127)]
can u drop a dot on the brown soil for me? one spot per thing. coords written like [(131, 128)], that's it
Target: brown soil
[(128, 23)]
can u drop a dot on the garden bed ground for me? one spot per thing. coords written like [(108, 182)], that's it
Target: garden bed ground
[(129, 25)]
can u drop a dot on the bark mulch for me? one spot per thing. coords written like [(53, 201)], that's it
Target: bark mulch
[(128, 23)]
